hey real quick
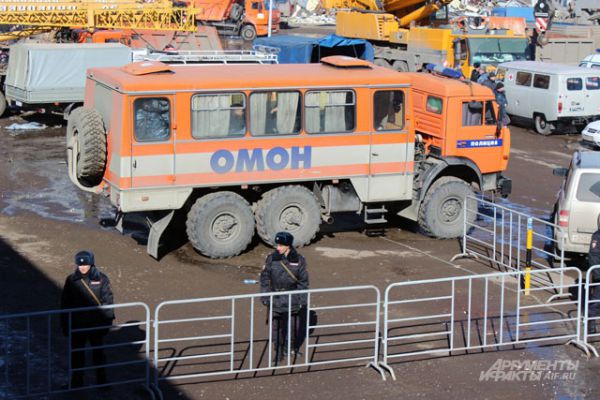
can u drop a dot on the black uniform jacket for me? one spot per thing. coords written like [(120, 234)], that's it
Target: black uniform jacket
[(274, 278), (76, 295)]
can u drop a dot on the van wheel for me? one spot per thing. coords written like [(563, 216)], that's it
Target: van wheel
[(441, 214), (248, 33), (294, 209), (2, 104), (87, 137), (542, 126), (220, 225)]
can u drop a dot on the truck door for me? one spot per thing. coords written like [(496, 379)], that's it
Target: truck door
[(152, 147), (391, 149)]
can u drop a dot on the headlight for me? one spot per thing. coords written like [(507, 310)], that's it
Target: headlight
[(260, 16)]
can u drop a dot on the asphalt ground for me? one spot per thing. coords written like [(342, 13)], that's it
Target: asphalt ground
[(44, 220)]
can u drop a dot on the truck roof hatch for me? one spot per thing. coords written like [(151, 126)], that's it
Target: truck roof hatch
[(346, 62), (146, 67)]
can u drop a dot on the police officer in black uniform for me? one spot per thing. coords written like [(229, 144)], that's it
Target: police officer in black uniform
[(285, 270), (87, 287), (594, 259)]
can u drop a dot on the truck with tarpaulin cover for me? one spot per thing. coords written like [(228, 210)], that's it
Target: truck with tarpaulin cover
[(287, 149)]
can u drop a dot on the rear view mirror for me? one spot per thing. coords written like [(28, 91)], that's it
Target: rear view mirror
[(559, 172)]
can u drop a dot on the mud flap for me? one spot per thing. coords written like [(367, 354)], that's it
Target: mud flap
[(157, 228)]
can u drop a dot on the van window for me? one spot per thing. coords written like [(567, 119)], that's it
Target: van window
[(592, 83), (218, 115), (388, 110), (330, 111), (523, 79), (472, 112), (541, 81), (152, 119), (574, 84), (434, 105), (275, 113), (490, 114), (589, 188)]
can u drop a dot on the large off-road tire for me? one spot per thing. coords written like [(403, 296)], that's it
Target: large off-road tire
[(220, 225), (2, 104), (294, 209), (542, 126), (441, 214), (87, 136), (248, 33)]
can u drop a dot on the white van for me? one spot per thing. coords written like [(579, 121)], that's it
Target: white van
[(551, 95), (578, 202), (591, 61)]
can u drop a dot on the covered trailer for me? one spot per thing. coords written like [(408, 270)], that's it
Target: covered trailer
[(294, 49), (55, 74)]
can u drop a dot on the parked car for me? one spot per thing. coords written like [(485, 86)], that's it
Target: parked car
[(578, 202), (591, 61), (591, 134), (551, 95)]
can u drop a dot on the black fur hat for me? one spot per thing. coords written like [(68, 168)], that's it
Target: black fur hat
[(284, 238)]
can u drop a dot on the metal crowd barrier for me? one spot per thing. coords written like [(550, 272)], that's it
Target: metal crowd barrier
[(36, 351), (233, 334), (460, 314), (591, 285), (499, 235)]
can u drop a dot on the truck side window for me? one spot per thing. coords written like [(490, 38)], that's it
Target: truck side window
[(388, 110), (574, 84), (472, 113), (330, 111), (218, 115), (523, 79), (589, 188), (490, 114), (592, 83), (275, 113), (541, 81), (434, 105), (152, 119)]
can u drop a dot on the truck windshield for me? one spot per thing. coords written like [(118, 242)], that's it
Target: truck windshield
[(492, 51)]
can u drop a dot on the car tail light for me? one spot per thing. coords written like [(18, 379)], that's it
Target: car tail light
[(563, 218), (560, 106)]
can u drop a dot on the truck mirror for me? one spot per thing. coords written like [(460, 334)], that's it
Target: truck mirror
[(559, 172)]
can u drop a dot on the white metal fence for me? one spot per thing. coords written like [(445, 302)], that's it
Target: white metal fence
[(498, 235), (234, 334), (443, 316), (37, 350), (216, 336), (591, 315)]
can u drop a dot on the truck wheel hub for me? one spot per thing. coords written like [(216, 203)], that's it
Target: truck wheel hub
[(291, 218), (224, 226), (450, 210)]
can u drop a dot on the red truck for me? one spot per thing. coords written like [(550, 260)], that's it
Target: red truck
[(245, 18)]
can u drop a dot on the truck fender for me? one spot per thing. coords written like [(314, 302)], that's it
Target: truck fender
[(468, 170)]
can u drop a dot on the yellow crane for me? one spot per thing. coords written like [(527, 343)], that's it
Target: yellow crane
[(407, 34), (35, 17)]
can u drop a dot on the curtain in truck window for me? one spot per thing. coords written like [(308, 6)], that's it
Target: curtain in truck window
[(275, 113), (330, 111), (218, 115)]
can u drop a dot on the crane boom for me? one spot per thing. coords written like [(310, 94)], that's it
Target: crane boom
[(92, 15)]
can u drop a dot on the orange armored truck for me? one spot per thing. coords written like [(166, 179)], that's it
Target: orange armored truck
[(239, 149)]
